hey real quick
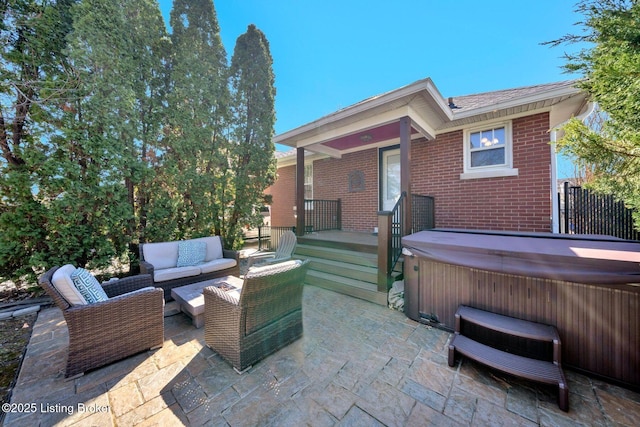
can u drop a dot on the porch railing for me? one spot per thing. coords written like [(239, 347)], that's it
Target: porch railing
[(391, 229), (322, 215), (269, 236), (423, 213)]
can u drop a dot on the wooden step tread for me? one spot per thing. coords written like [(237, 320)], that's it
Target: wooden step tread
[(340, 264), (508, 325), (532, 369), (341, 279)]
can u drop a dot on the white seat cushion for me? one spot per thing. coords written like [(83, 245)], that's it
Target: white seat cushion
[(214, 247), (161, 255), (175, 273), (217, 264), (61, 280)]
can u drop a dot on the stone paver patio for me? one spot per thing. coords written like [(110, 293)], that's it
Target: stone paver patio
[(358, 364)]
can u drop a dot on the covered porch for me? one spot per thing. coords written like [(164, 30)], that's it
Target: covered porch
[(392, 120)]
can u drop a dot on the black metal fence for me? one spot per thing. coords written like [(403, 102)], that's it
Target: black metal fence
[(583, 211), (322, 215), (423, 212), (269, 236)]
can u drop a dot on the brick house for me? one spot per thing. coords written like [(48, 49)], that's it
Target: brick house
[(487, 159)]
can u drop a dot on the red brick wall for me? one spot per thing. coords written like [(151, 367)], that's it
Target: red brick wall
[(331, 181), (520, 203), (284, 197)]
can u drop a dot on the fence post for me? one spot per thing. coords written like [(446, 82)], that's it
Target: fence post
[(566, 207)]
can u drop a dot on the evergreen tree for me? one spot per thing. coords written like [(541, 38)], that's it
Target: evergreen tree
[(32, 77), (253, 97), (195, 170), (610, 65), (99, 155)]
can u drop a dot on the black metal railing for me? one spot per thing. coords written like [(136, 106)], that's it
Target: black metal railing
[(269, 236), (392, 227), (322, 215), (423, 213), (397, 225), (586, 212)]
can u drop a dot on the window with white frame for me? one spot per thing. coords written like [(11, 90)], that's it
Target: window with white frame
[(308, 185), (308, 181), (488, 152)]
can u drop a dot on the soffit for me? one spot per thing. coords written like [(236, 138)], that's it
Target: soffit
[(372, 122)]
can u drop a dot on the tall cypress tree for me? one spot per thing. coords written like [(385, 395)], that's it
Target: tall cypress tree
[(195, 169), (253, 98), (32, 77), (96, 161)]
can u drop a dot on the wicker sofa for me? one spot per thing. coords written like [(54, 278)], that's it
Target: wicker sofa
[(170, 264), (265, 317), (129, 322)]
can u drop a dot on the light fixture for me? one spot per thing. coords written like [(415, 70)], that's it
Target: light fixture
[(365, 137)]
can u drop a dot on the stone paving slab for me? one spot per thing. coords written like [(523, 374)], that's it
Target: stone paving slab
[(356, 364)]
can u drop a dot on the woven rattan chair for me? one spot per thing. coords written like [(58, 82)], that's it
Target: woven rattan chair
[(265, 317), (131, 321), (284, 251)]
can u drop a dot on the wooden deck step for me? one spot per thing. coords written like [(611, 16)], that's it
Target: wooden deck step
[(339, 268), (532, 369), (344, 285), (343, 255), (508, 325)]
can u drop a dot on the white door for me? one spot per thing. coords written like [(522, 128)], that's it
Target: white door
[(390, 178)]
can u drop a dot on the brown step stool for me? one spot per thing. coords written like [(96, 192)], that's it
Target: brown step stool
[(525, 367)]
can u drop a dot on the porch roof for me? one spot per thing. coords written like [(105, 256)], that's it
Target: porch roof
[(373, 122)]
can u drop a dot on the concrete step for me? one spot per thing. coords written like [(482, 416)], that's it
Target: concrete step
[(339, 268), (344, 285), (342, 255)]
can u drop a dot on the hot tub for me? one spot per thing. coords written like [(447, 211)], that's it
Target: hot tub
[(586, 286)]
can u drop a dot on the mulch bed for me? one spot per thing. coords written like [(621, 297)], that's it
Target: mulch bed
[(15, 333)]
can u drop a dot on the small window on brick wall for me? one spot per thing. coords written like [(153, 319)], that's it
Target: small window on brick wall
[(308, 185), (488, 152)]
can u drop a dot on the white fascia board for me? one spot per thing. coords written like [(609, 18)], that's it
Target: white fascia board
[(423, 85), (327, 151), (293, 159), (421, 125), (359, 126), (538, 97)]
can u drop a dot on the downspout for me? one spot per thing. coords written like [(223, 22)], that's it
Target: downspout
[(555, 208)]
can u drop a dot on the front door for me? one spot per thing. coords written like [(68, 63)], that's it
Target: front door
[(389, 178)]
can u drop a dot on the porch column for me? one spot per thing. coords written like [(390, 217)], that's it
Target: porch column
[(405, 172), (300, 212)]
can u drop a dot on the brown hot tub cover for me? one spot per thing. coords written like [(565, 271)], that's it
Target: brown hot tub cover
[(574, 258)]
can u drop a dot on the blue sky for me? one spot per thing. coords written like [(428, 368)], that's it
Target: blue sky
[(330, 54)]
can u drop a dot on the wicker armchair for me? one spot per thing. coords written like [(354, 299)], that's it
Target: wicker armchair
[(131, 321), (265, 317)]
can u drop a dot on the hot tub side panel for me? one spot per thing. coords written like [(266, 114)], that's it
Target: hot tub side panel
[(599, 325)]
